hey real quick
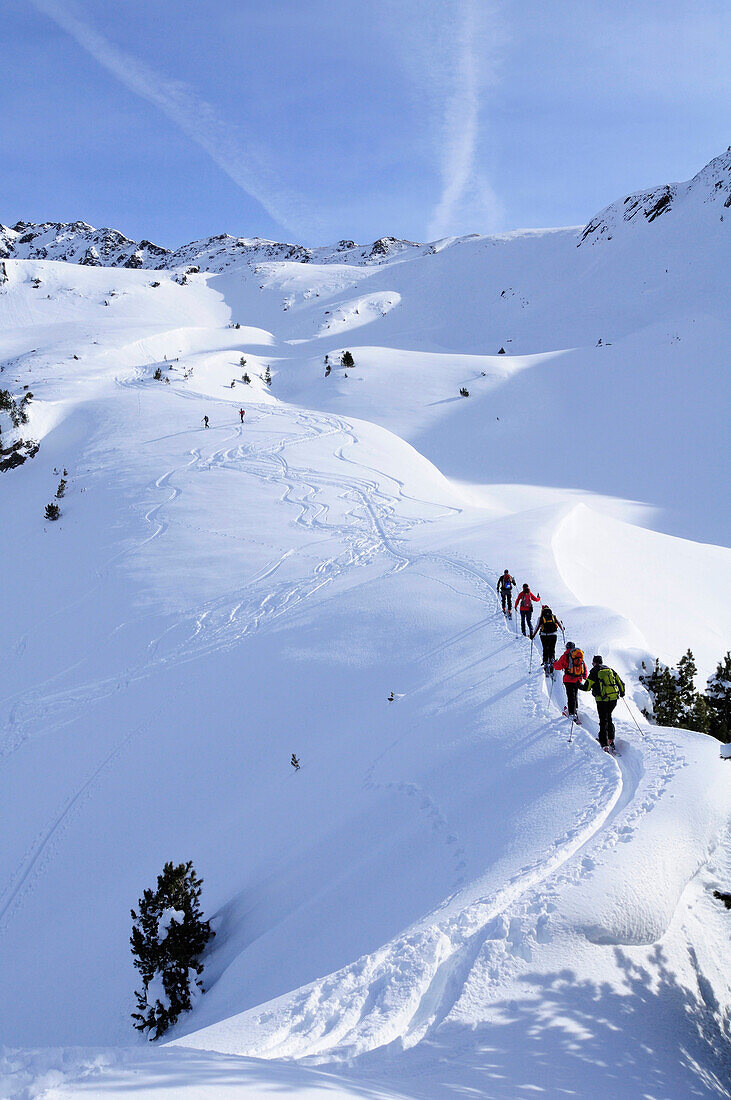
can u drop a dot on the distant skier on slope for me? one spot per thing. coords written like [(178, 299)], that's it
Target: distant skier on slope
[(571, 663), (524, 606), (547, 626), (205, 421), (242, 414), (505, 588), (606, 687)]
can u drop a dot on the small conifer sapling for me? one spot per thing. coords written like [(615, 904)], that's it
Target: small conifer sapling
[(168, 938)]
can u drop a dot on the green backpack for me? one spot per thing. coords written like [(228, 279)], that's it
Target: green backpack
[(610, 685)]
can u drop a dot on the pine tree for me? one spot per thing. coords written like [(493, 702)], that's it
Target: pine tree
[(662, 686), (347, 360), (245, 378), (268, 376), (52, 511), (464, 392), (718, 698), (61, 488), (675, 701), (693, 707), (168, 938)]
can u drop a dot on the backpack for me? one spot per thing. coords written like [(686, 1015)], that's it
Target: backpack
[(575, 663), (610, 685), (548, 622)]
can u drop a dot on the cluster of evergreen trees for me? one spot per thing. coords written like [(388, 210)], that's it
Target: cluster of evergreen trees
[(17, 410), (675, 701)]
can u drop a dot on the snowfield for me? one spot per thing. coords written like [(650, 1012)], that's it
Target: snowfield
[(458, 894)]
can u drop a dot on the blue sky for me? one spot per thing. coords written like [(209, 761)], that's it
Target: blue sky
[(312, 121)]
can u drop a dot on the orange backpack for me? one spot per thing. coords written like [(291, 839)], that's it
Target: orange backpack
[(575, 664)]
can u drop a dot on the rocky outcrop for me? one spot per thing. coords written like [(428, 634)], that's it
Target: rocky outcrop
[(710, 188), (17, 453)]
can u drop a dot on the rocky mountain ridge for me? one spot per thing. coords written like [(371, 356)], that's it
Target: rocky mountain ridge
[(80, 243)]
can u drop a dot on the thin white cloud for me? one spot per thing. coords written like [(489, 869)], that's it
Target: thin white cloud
[(238, 158), (467, 202)]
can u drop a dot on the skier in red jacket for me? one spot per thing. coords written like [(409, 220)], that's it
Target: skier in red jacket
[(523, 605), (571, 662)]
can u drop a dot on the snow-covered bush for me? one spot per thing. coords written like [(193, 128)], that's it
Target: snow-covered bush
[(168, 938), (52, 511), (61, 488), (268, 376), (464, 392)]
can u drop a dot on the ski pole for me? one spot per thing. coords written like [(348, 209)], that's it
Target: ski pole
[(530, 665), (633, 718), (571, 731)]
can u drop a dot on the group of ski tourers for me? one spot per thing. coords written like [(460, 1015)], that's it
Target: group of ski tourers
[(603, 682)]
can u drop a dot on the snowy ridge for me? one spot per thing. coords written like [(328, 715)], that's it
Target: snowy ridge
[(711, 186), (78, 242)]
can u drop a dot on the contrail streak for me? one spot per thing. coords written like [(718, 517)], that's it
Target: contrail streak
[(194, 116), (465, 191)]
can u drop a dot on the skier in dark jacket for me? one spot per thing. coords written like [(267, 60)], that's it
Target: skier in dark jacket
[(606, 687), (205, 421), (524, 605), (505, 588), (547, 626)]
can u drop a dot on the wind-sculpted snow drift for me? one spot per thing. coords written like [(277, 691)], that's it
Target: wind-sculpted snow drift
[(458, 892)]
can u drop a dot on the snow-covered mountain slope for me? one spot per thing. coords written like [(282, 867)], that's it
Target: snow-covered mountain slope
[(457, 893), (710, 188)]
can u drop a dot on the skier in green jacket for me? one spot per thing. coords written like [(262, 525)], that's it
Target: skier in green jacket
[(606, 687)]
